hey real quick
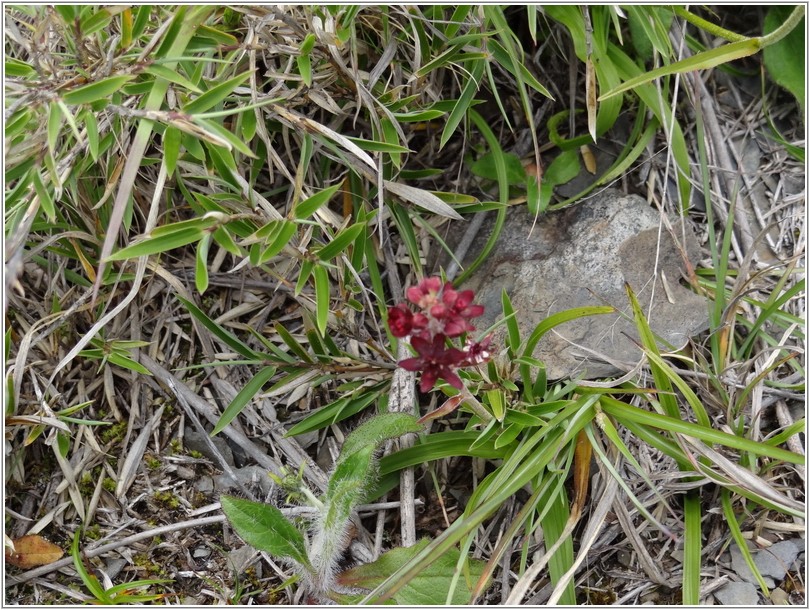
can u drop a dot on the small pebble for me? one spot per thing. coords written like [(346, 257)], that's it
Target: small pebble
[(624, 558), (194, 441), (201, 552), (779, 597), (240, 559), (114, 566), (204, 484), (307, 439), (252, 477), (743, 571), (186, 473)]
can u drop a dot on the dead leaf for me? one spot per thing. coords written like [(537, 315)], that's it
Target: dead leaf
[(590, 96), (32, 551), (588, 158), (448, 407), (422, 198)]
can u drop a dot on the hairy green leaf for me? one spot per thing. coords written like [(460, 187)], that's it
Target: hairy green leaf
[(264, 527)]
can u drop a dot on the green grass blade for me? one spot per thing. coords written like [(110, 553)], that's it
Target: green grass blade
[(464, 102), (736, 533), (215, 95), (245, 395), (700, 61), (559, 318), (503, 192), (341, 241), (622, 411), (322, 297), (87, 94), (220, 333), (692, 545), (333, 413), (662, 381)]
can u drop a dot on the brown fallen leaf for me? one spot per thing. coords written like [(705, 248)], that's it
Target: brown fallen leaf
[(32, 551)]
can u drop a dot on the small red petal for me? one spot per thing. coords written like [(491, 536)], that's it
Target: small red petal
[(429, 379), (431, 284), (453, 379), (414, 294), (400, 321), (419, 320), (465, 297), (449, 295), (411, 364), (439, 311), (473, 311)]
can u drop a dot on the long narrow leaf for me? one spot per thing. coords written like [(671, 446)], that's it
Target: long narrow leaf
[(700, 61), (245, 395), (322, 297), (223, 335), (215, 95)]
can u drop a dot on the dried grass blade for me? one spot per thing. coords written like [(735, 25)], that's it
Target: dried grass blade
[(72, 486), (134, 456), (422, 198), (746, 479)]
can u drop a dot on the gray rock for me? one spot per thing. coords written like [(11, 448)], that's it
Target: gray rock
[(741, 568), (737, 594), (582, 256), (194, 441), (240, 559), (253, 477), (204, 484), (307, 439), (114, 566), (777, 559)]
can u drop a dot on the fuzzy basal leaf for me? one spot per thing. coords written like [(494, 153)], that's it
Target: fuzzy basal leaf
[(265, 528)]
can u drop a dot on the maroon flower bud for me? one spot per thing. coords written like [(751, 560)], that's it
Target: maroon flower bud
[(424, 294), (400, 320)]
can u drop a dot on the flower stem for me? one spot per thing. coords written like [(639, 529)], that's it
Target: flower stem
[(472, 402), (311, 498)]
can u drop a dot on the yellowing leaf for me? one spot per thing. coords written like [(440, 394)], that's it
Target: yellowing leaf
[(32, 551)]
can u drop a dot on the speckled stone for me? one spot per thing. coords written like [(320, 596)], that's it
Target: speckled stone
[(583, 256)]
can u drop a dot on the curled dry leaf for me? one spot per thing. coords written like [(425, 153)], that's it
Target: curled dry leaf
[(32, 551), (588, 158)]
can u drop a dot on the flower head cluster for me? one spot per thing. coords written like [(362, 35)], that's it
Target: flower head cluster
[(443, 313)]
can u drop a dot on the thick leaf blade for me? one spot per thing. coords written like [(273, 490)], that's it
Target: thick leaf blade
[(422, 198), (160, 243), (700, 61), (98, 90), (309, 206), (223, 335), (215, 95), (341, 241), (322, 297)]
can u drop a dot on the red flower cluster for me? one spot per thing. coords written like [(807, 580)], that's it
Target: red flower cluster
[(444, 313)]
